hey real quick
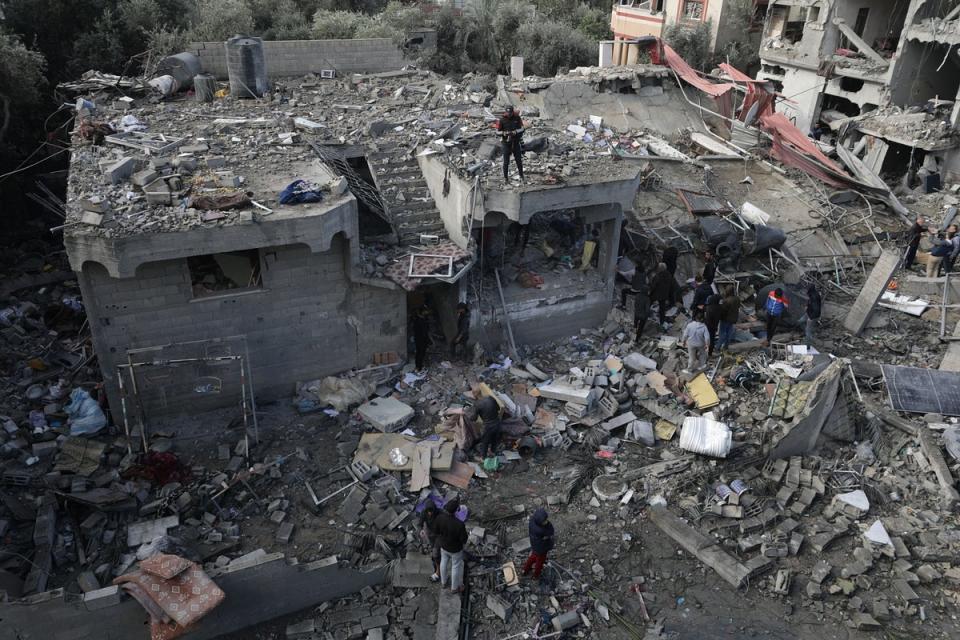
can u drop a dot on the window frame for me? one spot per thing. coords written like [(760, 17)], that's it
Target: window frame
[(227, 293)]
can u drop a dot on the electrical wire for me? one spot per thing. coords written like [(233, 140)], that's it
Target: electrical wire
[(30, 166)]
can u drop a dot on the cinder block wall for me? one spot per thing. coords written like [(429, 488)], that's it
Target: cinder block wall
[(308, 321), (300, 57)]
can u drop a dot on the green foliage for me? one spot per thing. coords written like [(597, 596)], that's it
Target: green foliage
[(337, 25), (692, 43), (21, 79), (221, 19), (594, 23), (547, 46)]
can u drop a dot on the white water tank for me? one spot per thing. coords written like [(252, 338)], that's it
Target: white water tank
[(246, 67)]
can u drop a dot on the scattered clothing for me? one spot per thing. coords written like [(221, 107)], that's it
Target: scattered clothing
[(300, 192)]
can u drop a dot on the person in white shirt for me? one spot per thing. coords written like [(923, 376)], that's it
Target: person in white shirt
[(696, 338)]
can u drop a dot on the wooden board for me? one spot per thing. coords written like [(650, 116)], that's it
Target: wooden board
[(459, 475), (702, 392), (374, 449), (420, 476)]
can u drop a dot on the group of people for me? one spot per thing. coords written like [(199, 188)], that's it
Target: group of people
[(444, 534), (714, 310), (943, 250)]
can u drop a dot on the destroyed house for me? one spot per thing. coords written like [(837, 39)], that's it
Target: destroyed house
[(212, 274), (885, 68)]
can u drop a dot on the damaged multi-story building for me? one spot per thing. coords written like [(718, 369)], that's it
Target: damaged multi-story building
[(205, 286), (633, 20), (889, 65)]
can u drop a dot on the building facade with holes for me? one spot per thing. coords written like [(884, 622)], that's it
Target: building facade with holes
[(633, 19), (282, 293)]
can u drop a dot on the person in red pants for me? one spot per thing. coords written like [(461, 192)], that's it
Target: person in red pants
[(541, 542)]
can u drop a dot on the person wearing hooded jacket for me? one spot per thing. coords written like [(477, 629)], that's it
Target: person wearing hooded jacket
[(541, 542), (452, 535)]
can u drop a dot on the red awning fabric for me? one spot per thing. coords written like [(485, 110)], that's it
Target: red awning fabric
[(755, 94), (685, 71)]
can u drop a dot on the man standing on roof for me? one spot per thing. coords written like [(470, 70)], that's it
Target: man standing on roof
[(511, 141), (913, 243)]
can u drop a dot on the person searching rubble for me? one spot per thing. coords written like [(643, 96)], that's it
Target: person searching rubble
[(913, 241), (452, 537), (954, 238), (637, 282), (511, 141), (463, 329), (701, 291), (428, 537), (421, 335), (712, 313), (696, 339), (669, 258), (709, 267), (542, 536), (664, 291), (729, 316), (942, 248), (488, 410), (641, 310), (775, 305)]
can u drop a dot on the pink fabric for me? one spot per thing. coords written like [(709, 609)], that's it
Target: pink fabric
[(685, 71)]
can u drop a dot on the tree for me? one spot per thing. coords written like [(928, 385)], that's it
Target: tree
[(691, 43), (337, 25), (217, 20), (548, 45), (21, 79)]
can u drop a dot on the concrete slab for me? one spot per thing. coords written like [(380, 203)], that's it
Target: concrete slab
[(448, 616), (254, 595), (566, 392), (876, 284), (386, 414), (414, 571), (951, 358)]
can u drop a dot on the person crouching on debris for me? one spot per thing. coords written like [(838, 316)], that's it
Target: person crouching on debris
[(488, 410), (541, 542), (463, 329), (452, 535), (511, 141), (775, 306), (429, 538), (696, 338)]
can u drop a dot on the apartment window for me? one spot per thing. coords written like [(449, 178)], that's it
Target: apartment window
[(219, 273), (692, 9)]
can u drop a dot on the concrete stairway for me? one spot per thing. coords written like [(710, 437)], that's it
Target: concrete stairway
[(410, 205)]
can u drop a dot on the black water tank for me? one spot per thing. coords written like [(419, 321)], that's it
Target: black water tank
[(246, 67)]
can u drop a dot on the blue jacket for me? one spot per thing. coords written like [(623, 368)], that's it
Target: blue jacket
[(775, 305), (541, 532)]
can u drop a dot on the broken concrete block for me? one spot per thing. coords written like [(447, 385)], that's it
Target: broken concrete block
[(566, 620), (386, 414), (102, 598), (285, 532), (120, 170), (499, 606), (145, 177)]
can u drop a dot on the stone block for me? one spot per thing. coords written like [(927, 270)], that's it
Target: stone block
[(102, 598), (386, 414), (120, 170), (499, 606)]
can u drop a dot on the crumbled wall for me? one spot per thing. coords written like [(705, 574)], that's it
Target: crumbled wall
[(303, 324)]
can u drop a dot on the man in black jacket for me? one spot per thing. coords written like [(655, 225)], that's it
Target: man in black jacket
[(663, 291), (709, 267), (712, 313), (452, 535), (488, 410), (641, 309), (701, 291), (541, 542), (511, 141), (639, 281), (814, 309), (913, 243)]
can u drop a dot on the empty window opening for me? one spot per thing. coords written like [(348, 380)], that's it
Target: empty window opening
[(813, 14), (692, 10), (787, 22), (844, 106), (851, 84), (219, 273)]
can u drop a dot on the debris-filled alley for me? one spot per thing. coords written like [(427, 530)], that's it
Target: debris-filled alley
[(319, 362)]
